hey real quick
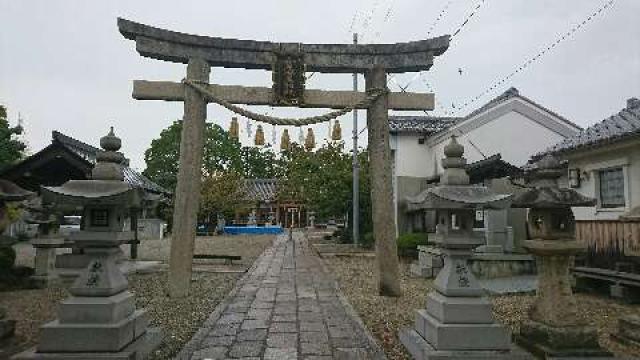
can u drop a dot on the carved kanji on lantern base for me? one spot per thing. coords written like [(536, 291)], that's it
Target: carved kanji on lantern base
[(457, 322)]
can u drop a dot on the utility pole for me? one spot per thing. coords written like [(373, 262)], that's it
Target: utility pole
[(356, 165)]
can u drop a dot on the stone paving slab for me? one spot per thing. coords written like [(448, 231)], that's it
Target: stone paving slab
[(286, 307)]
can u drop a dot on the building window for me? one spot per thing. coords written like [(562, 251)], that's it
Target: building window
[(611, 188)]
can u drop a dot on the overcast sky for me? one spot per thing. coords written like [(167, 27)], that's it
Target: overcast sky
[(65, 66)]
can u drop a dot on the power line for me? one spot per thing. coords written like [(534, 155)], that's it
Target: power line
[(455, 33), (466, 20), (440, 16), (541, 53)]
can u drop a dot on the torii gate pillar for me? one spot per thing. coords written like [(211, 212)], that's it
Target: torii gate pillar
[(187, 195), (381, 188)]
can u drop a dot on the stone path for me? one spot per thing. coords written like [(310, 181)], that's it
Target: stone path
[(287, 307)]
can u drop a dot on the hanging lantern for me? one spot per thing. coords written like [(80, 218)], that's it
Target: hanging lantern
[(234, 128), (336, 134), (284, 140), (310, 142), (259, 136)]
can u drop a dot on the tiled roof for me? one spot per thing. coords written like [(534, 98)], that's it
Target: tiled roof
[(89, 152), (616, 127), (420, 124), (262, 190), (433, 124)]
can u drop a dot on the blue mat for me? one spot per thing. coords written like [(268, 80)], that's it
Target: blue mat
[(234, 230)]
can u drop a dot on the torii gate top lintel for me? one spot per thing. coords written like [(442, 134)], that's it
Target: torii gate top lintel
[(179, 47)]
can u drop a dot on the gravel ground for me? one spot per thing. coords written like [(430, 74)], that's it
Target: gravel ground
[(385, 316), (178, 318)]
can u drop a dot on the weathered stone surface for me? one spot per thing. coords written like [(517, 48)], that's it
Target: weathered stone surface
[(554, 328), (7, 328), (381, 187), (457, 322), (459, 310), (420, 349), (246, 349), (138, 350), (187, 194), (173, 91), (442, 336), (109, 337), (292, 268), (179, 47)]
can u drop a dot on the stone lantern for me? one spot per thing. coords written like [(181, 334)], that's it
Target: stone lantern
[(457, 322), (553, 328), (99, 320), (9, 192), (46, 243)]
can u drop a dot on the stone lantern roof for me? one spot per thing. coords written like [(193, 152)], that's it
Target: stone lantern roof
[(12, 192), (107, 185), (455, 192), (545, 192)]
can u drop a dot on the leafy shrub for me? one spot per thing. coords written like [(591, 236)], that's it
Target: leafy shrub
[(408, 243), (367, 240)]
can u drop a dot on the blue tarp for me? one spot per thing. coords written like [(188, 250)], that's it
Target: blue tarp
[(233, 230)]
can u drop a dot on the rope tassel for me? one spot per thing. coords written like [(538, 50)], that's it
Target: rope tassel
[(234, 128), (259, 136), (285, 142), (372, 95), (336, 134), (310, 141)]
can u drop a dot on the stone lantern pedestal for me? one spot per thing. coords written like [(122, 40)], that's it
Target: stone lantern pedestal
[(554, 329), (457, 322)]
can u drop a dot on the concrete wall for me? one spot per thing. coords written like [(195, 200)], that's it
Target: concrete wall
[(626, 155)]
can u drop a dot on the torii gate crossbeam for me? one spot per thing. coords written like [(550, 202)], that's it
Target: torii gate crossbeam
[(288, 61)]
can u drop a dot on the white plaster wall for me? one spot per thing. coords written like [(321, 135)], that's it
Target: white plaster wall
[(513, 135), (412, 159), (625, 155)]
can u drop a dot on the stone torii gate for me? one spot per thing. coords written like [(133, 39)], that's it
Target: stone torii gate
[(289, 62)]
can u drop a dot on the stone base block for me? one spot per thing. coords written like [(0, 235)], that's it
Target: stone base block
[(138, 350), (72, 261), (420, 349), (487, 265), (458, 310), (420, 271), (627, 294), (61, 337), (96, 310), (7, 328), (496, 249), (549, 341), (462, 336)]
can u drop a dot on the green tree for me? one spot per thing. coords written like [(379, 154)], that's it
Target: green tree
[(258, 163), (221, 153), (163, 156), (323, 181), (221, 193), (11, 148)]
